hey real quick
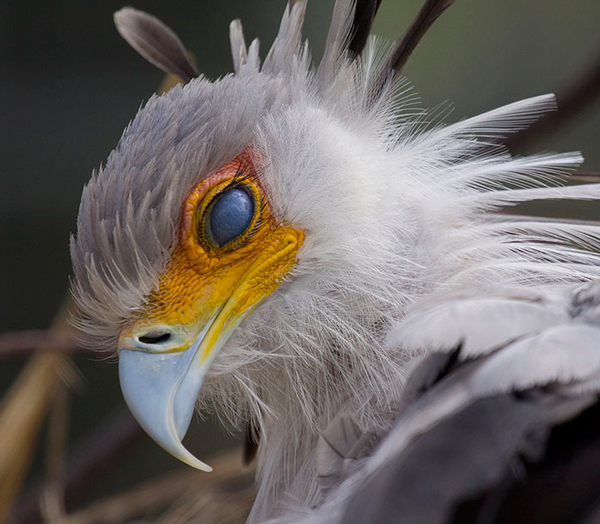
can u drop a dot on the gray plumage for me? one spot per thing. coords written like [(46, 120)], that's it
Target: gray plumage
[(481, 448), (475, 424), (404, 255)]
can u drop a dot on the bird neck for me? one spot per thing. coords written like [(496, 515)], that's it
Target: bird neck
[(303, 405)]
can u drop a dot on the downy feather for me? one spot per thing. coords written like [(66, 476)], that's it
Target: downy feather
[(395, 214)]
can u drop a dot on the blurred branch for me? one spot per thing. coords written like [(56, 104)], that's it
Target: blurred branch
[(97, 453), (23, 409), (571, 102), (53, 498), (21, 343), (585, 177), (225, 495)]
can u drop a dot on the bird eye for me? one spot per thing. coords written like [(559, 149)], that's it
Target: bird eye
[(229, 215)]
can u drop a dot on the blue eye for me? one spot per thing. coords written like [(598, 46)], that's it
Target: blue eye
[(229, 215)]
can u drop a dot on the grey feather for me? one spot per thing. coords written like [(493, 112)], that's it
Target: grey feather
[(462, 434), (337, 41), (412, 241), (476, 324), (561, 354), (340, 446), (433, 368), (287, 44), (585, 305), (156, 42), (239, 51), (475, 450), (559, 350)]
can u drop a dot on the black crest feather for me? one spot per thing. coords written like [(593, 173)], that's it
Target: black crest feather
[(364, 15)]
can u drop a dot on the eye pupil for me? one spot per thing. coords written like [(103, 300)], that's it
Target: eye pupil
[(229, 215)]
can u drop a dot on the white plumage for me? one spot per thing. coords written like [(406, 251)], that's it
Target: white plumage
[(405, 252)]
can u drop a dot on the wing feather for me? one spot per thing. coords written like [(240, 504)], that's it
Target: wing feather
[(478, 325), (496, 424)]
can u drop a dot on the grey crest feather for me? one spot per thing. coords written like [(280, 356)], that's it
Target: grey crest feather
[(239, 52), (287, 44), (338, 38), (156, 42)]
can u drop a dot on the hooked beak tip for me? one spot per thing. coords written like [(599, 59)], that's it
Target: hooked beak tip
[(161, 390)]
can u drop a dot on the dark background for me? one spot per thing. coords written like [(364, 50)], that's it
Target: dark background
[(69, 85)]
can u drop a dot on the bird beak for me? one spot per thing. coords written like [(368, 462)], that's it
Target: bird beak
[(164, 358), (165, 409), (161, 381), (161, 389)]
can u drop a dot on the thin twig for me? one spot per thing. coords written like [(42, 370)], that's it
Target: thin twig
[(53, 500), (22, 343)]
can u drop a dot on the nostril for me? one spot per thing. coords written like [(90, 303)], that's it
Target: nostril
[(155, 338)]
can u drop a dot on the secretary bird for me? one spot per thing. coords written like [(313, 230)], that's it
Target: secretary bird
[(294, 246)]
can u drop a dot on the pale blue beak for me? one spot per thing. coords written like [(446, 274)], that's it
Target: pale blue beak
[(161, 389)]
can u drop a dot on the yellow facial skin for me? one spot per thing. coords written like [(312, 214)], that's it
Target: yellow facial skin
[(203, 279), (206, 290)]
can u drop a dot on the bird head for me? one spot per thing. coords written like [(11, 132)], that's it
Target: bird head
[(246, 229)]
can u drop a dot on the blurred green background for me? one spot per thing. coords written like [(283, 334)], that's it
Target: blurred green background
[(69, 85)]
